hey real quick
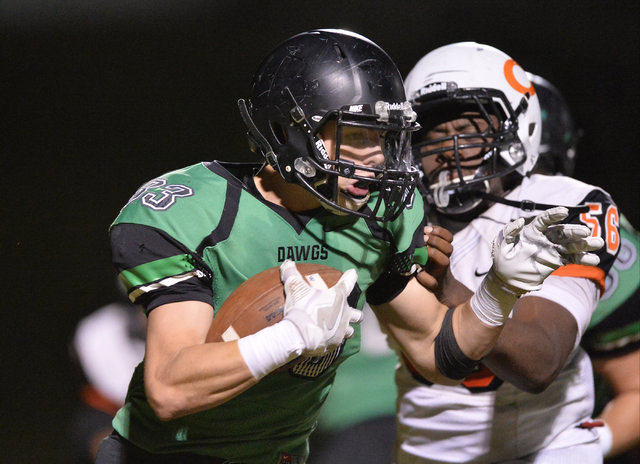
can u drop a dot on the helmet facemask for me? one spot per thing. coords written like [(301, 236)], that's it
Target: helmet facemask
[(464, 164), (390, 182)]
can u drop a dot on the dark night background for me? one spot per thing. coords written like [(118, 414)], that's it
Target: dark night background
[(99, 97)]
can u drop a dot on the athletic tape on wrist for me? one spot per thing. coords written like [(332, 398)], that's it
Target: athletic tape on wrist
[(492, 302), (271, 348), (450, 360)]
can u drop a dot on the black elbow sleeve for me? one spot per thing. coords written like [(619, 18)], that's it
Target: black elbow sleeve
[(450, 360)]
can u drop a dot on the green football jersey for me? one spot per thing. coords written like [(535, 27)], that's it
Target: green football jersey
[(614, 328), (198, 233), (615, 324)]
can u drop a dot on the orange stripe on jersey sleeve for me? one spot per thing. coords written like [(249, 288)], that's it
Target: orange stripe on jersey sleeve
[(580, 270), (481, 378)]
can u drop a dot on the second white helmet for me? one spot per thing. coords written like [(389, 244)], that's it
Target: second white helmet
[(468, 73)]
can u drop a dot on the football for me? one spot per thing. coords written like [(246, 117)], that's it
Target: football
[(259, 301)]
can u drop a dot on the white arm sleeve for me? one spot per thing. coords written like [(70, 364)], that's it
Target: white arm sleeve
[(577, 295)]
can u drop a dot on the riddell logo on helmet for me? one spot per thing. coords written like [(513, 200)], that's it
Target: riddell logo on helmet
[(395, 106), (431, 88), (436, 87), (322, 149)]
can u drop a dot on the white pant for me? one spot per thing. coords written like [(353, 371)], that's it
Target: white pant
[(581, 454), (440, 424)]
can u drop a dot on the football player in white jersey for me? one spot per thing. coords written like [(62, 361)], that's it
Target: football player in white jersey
[(612, 339), (479, 143)]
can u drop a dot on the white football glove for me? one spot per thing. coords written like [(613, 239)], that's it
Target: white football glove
[(321, 316), (573, 242), (525, 255)]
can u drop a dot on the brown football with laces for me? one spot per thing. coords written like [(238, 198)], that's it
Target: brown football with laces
[(259, 301)]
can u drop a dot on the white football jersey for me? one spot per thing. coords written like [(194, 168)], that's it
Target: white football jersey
[(485, 420)]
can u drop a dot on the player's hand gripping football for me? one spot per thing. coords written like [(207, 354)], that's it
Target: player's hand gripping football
[(524, 255), (321, 316)]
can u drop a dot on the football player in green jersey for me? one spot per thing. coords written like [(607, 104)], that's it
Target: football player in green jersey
[(613, 342), (612, 338), (329, 115)]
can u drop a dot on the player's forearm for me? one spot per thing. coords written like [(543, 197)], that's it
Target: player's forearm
[(475, 338), (534, 344), (422, 331), (198, 377), (621, 415), (524, 357), (456, 294)]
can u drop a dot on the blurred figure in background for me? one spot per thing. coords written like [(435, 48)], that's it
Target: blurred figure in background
[(613, 336), (107, 345)]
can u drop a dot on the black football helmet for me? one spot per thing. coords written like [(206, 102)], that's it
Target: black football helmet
[(333, 75), (560, 135)]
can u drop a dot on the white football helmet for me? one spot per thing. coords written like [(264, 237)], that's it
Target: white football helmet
[(468, 76)]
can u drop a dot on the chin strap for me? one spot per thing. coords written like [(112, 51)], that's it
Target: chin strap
[(528, 205), (257, 141)]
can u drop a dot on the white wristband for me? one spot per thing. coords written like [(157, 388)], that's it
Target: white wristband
[(271, 347), (606, 438), (493, 301)]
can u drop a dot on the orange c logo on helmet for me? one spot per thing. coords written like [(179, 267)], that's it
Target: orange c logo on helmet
[(509, 65)]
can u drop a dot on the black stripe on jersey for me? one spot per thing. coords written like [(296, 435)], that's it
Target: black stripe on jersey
[(597, 196), (134, 244), (394, 280), (376, 229), (386, 288), (234, 173), (401, 263), (624, 315), (228, 217), (241, 175), (188, 290)]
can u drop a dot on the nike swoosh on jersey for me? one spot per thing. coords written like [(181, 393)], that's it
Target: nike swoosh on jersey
[(480, 274)]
